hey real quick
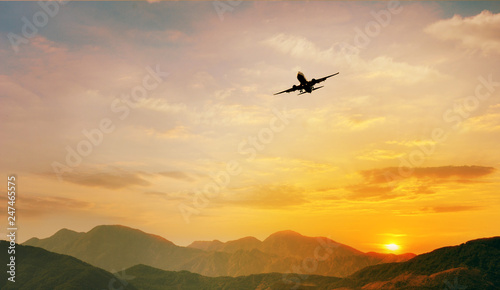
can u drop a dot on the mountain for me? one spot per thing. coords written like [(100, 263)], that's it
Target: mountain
[(117, 247), (475, 264), (40, 269), (60, 240)]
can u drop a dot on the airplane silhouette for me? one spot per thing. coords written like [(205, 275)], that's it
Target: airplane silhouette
[(306, 86)]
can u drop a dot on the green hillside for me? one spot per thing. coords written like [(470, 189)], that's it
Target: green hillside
[(37, 268), (475, 263), (155, 279)]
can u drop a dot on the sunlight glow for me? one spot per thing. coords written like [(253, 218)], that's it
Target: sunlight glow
[(392, 247)]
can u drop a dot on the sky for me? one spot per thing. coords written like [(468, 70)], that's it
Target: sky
[(161, 116)]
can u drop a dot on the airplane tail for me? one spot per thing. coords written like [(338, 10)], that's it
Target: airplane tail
[(317, 88)]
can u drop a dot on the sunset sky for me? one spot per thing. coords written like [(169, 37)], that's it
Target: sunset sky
[(161, 116)]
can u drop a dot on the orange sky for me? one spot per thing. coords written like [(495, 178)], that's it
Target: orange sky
[(161, 116)]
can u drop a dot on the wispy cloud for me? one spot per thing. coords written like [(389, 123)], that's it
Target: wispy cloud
[(485, 123), (381, 66), (177, 175), (179, 132), (41, 206), (412, 143), (380, 154), (436, 174), (441, 209), (165, 195), (479, 32), (452, 208), (267, 196), (366, 191), (378, 184), (110, 179), (162, 105), (359, 122)]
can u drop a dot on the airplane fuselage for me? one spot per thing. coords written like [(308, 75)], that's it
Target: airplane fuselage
[(305, 85)]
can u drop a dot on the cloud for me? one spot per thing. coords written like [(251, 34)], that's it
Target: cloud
[(223, 114), (164, 195), (323, 118), (178, 132), (176, 175), (37, 206), (300, 47), (155, 193), (358, 122), (378, 184), (485, 123), (412, 143), (298, 164), (437, 174), (452, 208), (113, 179), (364, 191), (440, 209), (379, 154), (268, 196), (344, 54), (158, 37), (477, 32), (162, 105)]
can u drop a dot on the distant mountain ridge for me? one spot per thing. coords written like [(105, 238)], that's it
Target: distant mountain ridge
[(472, 265), (115, 247), (288, 243)]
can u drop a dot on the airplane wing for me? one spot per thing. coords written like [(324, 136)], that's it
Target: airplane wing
[(294, 88), (323, 79)]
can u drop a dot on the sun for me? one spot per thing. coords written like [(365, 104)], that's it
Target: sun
[(392, 247)]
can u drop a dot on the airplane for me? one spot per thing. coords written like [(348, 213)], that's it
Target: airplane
[(306, 86)]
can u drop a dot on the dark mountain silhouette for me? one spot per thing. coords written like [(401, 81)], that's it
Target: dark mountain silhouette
[(475, 263), (117, 247), (37, 268), (155, 279)]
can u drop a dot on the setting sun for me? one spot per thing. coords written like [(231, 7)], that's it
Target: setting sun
[(392, 247)]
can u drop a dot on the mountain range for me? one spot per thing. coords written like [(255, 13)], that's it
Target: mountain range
[(472, 265), (114, 247)]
